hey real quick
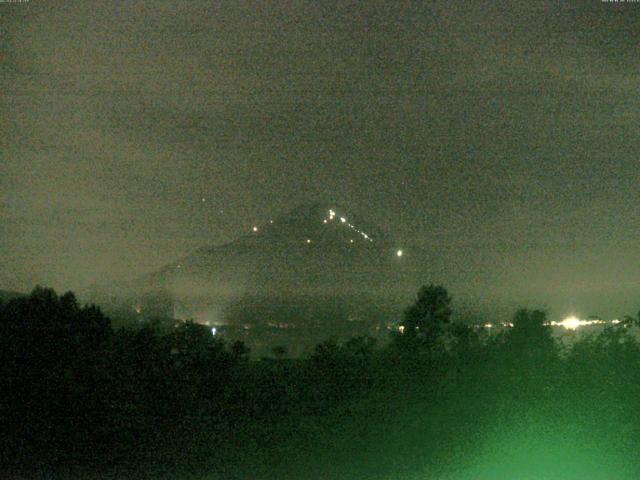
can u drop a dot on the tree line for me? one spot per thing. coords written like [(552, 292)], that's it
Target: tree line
[(79, 396)]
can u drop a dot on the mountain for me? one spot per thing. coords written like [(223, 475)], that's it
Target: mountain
[(316, 263)]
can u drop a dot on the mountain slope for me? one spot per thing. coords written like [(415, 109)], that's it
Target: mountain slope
[(312, 261)]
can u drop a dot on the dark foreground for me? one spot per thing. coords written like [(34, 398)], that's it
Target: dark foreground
[(82, 401)]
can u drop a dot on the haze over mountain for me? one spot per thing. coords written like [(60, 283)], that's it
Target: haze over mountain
[(316, 261)]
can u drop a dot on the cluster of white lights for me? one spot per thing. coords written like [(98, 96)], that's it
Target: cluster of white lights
[(569, 323), (493, 325), (573, 323), (332, 216)]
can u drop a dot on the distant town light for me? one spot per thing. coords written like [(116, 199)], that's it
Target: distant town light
[(343, 220), (351, 240), (324, 221), (399, 253), (308, 240), (214, 330), (571, 323), (255, 229)]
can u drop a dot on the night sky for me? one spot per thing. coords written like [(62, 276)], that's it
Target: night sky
[(501, 135)]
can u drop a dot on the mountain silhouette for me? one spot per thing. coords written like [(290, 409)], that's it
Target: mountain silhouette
[(314, 262)]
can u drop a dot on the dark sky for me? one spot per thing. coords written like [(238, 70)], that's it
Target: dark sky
[(502, 135)]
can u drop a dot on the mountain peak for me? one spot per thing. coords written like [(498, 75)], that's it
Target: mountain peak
[(321, 220), (316, 249)]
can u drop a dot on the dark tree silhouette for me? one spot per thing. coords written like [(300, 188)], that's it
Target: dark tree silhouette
[(195, 342), (76, 393), (466, 342), (239, 350), (51, 360), (530, 339), (427, 317), (362, 346), (279, 351), (530, 326)]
